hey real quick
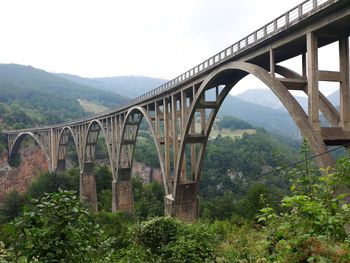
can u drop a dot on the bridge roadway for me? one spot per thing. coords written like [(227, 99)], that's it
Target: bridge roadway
[(172, 109)]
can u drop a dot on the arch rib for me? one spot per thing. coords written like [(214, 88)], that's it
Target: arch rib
[(19, 139), (75, 144), (295, 110)]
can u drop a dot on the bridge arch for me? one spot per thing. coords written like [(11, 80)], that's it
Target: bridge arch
[(88, 192), (125, 137), (122, 187), (18, 141), (184, 197), (61, 153), (91, 138)]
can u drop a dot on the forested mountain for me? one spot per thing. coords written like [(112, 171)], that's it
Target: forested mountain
[(128, 86), (30, 96)]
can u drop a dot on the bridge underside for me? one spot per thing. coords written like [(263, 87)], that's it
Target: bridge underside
[(180, 114)]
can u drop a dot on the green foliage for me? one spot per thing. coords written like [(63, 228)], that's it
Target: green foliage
[(51, 182), (194, 244), (58, 228), (314, 216), (103, 178), (149, 199), (12, 206), (233, 123), (170, 241), (118, 226), (145, 150), (157, 233)]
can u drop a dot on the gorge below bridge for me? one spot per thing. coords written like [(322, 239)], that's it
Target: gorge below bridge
[(172, 109)]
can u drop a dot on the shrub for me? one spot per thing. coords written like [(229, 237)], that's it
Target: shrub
[(58, 228), (157, 233)]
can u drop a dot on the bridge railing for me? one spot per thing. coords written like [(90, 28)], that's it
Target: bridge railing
[(290, 18)]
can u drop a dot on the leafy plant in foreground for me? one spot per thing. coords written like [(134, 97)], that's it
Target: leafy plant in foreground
[(313, 223), (58, 228)]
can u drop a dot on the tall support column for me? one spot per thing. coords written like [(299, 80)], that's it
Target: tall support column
[(166, 139), (53, 149), (88, 185), (303, 65), (272, 62), (183, 128), (312, 81), (123, 197), (344, 84), (185, 207)]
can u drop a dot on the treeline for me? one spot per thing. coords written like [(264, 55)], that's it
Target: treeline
[(307, 224)]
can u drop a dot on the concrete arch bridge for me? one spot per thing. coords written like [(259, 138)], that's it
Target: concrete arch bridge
[(171, 109)]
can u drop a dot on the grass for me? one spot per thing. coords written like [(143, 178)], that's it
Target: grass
[(231, 133), (90, 106)]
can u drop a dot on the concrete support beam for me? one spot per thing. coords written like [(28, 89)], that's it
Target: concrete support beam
[(344, 84), (185, 207), (123, 198), (61, 166), (312, 77), (272, 62), (88, 185)]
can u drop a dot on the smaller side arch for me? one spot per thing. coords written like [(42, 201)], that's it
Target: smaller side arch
[(61, 151), (17, 143), (143, 113), (88, 191), (106, 139), (122, 187)]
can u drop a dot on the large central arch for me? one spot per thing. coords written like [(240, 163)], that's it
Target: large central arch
[(17, 144), (184, 203)]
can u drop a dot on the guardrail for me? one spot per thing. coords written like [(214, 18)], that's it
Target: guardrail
[(291, 17)]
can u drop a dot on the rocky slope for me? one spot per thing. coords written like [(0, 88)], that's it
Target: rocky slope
[(32, 163)]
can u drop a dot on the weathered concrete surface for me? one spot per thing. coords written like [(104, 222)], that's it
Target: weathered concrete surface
[(185, 206), (32, 163), (123, 196), (88, 192)]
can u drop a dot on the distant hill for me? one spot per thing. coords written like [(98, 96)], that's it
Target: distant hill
[(30, 96), (128, 86), (334, 98), (277, 121), (265, 97)]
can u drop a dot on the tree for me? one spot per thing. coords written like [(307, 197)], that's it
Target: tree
[(58, 228), (13, 205)]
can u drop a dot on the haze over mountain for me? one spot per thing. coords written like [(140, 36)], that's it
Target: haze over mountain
[(265, 97), (128, 86)]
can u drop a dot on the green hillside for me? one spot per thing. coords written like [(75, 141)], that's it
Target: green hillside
[(30, 96)]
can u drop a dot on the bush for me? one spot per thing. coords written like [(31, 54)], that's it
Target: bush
[(314, 216), (157, 233), (58, 228), (13, 206)]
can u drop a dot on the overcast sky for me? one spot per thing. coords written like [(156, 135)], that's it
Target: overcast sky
[(156, 38)]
